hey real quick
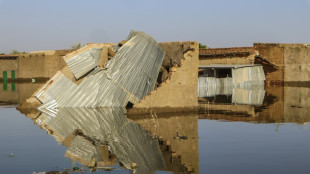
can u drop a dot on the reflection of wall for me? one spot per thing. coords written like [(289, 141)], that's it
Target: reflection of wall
[(296, 104), (281, 105), (9, 95), (271, 110), (273, 106), (20, 94), (167, 126)]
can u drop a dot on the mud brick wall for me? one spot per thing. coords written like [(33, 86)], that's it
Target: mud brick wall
[(41, 64), (235, 60), (275, 54), (238, 55), (297, 62), (8, 65), (180, 90)]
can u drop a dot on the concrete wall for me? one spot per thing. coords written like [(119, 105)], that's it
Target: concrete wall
[(180, 91)]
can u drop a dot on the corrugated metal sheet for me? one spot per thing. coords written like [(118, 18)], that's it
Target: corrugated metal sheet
[(246, 74), (84, 62), (105, 126), (129, 76)]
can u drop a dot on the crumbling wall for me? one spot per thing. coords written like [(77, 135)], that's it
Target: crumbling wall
[(180, 89), (275, 54), (293, 61)]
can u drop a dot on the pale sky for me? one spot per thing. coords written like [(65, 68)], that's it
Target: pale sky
[(30, 25)]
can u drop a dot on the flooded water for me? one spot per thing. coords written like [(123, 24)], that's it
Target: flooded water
[(223, 137)]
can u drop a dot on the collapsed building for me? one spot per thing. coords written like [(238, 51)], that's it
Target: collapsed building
[(138, 72), (99, 81)]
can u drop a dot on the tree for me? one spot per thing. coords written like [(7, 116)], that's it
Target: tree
[(17, 52), (2, 54), (202, 46), (76, 46)]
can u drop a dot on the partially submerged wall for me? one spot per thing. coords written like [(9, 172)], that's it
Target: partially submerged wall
[(7, 65), (178, 91), (39, 65), (275, 54), (293, 61), (297, 62)]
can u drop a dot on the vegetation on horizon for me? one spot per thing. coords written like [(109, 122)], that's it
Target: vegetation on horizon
[(17, 52), (203, 46)]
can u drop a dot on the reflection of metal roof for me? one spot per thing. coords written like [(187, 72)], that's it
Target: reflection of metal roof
[(105, 126), (225, 66), (84, 62)]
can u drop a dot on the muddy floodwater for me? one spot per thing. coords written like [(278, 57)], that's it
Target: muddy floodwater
[(229, 134)]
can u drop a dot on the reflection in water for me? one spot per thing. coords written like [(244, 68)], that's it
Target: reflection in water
[(250, 93), (16, 93), (105, 137), (94, 136), (180, 132), (281, 105)]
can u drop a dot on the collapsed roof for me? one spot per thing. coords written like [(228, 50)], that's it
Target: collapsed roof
[(129, 76)]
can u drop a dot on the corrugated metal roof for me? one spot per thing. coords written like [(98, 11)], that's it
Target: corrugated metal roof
[(84, 62), (129, 76)]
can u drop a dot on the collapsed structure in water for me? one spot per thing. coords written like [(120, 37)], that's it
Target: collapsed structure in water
[(130, 73)]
